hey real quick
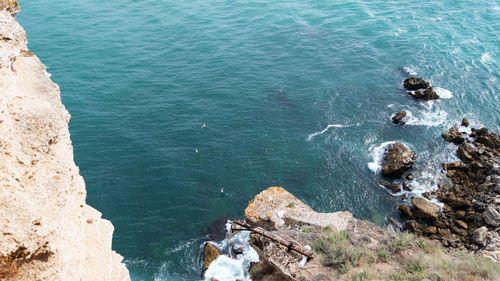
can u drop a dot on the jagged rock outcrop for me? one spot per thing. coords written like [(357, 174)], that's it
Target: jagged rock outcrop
[(398, 160), (420, 89), (47, 231), (414, 83)]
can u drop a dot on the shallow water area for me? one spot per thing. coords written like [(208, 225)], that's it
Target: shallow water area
[(182, 111)]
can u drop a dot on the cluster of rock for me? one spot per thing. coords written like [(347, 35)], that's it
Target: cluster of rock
[(419, 89), (470, 192)]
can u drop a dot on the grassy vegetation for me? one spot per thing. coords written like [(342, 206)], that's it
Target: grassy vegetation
[(407, 258)]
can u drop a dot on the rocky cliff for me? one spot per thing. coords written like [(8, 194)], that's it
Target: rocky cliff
[(47, 231)]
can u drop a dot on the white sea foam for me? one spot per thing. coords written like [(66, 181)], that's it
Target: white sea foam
[(228, 267), (409, 70), (430, 116), (377, 153), (443, 93), (487, 59), (311, 136)]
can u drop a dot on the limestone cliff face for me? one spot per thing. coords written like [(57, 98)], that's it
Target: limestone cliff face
[(47, 231)]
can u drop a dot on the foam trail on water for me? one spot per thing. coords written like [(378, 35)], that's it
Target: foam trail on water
[(311, 136)]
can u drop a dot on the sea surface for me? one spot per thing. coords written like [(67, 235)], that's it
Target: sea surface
[(182, 111)]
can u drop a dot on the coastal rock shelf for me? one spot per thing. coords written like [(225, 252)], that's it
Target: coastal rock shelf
[(47, 231)]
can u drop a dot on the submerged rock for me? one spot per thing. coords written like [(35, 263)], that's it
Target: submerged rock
[(398, 160), (397, 119), (426, 94), (415, 83), (453, 135), (465, 122), (393, 187), (216, 231)]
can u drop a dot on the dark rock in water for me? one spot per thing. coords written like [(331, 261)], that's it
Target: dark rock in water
[(216, 231), (209, 255), (405, 209), (465, 122), (237, 248), (427, 94), (479, 132), (407, 186), (393, 187), (398, 160), (409, 176), (491, 216), (397, 119), (492, 141), (415, 83), (454, 136), (424, 209)]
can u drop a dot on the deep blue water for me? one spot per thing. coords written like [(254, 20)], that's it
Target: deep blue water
[(141, 77)]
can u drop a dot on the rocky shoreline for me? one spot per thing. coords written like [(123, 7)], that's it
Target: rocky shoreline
[(343, 248), (470, 191), (469, 218)]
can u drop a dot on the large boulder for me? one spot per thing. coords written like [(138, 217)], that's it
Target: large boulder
[(398, 160), (413, 83), (427, 94), (424, 209), (454, 136)]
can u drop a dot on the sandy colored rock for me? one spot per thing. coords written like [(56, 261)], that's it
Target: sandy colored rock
[(273, 208), (210, 254), (44, 220)]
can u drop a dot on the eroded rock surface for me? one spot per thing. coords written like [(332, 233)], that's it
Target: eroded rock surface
[(45, 223)]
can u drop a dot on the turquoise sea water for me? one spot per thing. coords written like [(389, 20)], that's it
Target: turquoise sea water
[(267, 78)]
